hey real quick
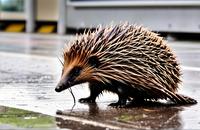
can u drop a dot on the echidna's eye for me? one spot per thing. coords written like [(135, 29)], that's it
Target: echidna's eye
[(93, 61), (76, 71)]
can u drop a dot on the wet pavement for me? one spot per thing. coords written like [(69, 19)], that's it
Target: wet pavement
[(30, 69)]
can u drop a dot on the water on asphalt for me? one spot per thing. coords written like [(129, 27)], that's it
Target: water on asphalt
[(30, 69)]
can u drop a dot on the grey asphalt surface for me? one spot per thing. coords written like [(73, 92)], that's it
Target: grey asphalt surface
[(30, 69)]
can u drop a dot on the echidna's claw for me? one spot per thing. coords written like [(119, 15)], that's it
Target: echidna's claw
[(86, 100)]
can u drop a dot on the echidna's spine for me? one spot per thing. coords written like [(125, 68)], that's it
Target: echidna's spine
[(182, 99), (125, 59)]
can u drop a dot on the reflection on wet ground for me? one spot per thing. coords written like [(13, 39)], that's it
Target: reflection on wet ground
[(29, 71), (142, 117)]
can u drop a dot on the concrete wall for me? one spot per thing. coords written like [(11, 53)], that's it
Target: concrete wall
[(158, 19), (47, 10), (166, 17)]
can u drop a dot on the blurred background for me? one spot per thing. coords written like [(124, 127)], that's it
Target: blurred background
[(64, 16), (33, 34)]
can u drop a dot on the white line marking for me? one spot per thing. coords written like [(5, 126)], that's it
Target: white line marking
[(89, 122), (24, 55)]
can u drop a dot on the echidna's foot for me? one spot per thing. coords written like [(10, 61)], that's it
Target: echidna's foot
[(87, 100), (117, 104), (121, 103), (136, 102)]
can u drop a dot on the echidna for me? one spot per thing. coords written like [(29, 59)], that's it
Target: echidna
[(125, 59)]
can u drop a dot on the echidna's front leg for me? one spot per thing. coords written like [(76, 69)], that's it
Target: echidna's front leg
[(95, 90)]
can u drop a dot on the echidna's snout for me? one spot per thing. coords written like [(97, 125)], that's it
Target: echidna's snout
[(65, 83), (68, 79), (62, 85), (58, 89)]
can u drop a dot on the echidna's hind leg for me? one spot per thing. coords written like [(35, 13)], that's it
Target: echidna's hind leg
[(120, 103), (137, 101), (95, 90), (122, 95)]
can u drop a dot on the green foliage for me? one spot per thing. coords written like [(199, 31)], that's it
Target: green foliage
[(127, 118), (25, 119)]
